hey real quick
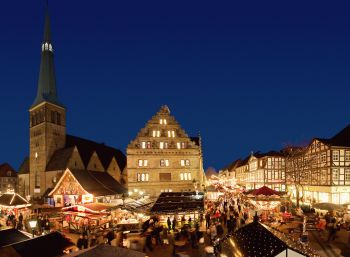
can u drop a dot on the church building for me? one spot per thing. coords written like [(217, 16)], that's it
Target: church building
[(51, 150), (163, 158)]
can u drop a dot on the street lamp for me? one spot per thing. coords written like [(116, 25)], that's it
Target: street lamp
[(32, 224)]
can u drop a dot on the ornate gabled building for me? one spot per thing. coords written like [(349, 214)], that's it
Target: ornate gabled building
[(325, 175), (51, 150), (163, 158), (262, 169)]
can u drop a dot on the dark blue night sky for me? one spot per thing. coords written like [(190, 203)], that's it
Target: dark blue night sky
[(249, 76)]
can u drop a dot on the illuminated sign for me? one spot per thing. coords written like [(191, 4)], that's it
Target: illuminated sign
[(88, 198)]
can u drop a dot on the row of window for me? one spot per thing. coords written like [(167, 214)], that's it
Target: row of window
[(158, 133), (336, 156), (163, 163), (162, 145), (340, 175), (144, 177)]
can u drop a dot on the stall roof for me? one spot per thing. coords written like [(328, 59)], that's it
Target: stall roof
[(50, 245), (11, 236), (13, 200), (89, 207), (174, 202), (254, 239)]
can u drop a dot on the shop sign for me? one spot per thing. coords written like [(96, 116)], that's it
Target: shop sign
[(88, 198)]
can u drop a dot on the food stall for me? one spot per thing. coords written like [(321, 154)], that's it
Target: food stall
[(12, 204), (179, 205), (86, 217)]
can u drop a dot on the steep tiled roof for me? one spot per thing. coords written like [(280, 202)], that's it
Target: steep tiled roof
[(98, 183), (87, 147), (233, 165), (24, 168), (59, 160), (4, 168), (342, 138)]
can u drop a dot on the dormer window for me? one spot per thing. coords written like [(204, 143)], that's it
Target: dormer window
[(145, 145), (163, 145), (162, 122), (171, 133), (156, 133), (9, 173), (181, 145)]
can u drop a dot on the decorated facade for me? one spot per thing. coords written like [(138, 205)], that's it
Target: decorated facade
[(83, 186), (163, 158)]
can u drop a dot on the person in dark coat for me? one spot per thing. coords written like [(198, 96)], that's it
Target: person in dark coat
[(85, 242), (207, 220), (93, 241), (110, 236), (169, 223), (174, 224), (80, 242)]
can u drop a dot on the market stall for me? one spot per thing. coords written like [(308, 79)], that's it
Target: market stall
[(11, 205), (179, 205), (84, 217), (267, 200)]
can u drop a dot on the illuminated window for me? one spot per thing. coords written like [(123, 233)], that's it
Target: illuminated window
[(185, 176), (142, 177), (163, 145), (323, 157), (162, 121), (164, 163), (143, 163), (181, 145), (156, 133), (185, 163), (335, 176), (347, 174), (145, 145), (347, 155), (171, 133), (335, 155)]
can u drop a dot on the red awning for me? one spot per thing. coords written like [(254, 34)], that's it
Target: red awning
[(265, 191)]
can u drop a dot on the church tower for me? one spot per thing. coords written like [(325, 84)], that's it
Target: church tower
[(47, 118)]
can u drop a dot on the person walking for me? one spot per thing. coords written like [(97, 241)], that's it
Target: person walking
[(207, 220), (169, 223), (174, 223)]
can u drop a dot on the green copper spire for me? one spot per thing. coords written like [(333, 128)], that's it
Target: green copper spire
[(47, 80)]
